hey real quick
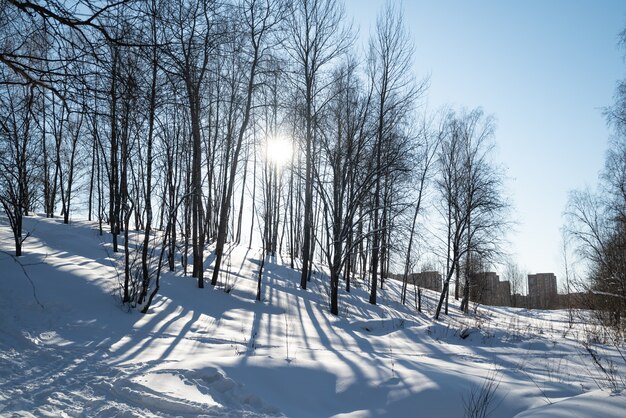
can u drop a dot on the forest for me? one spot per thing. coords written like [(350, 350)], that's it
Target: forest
[(184, 127)]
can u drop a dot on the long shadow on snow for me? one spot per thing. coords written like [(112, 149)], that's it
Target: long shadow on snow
[(79, 236), (348, 347)]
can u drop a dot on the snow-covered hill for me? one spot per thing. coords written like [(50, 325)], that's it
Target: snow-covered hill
[(69, 348)]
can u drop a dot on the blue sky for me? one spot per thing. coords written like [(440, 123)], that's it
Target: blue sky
[(544, 69)]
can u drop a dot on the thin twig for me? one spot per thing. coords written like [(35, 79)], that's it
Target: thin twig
[(26, 274)]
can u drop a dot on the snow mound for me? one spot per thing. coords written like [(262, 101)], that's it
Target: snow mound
[(383, 326), (597, 403), (175, 391), (69, 348)]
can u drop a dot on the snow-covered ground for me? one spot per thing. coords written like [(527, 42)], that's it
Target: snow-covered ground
[(69, 348)]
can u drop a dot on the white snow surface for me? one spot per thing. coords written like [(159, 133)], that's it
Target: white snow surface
[(68, 347)]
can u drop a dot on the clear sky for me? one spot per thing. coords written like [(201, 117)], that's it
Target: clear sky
[(544, 69)]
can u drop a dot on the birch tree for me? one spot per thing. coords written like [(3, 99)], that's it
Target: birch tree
[(314, 39)]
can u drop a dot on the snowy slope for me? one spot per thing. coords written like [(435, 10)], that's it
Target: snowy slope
[(69, 348)]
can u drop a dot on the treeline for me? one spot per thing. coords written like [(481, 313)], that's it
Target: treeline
[(159, 116)]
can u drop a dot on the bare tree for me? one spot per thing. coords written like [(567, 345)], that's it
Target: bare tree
[(471, 189), (598, 239), (193, 29), (344, 181), (517, 278), (429, 146), (73, 33), (596, 222), (314, 38), (16, 153), (259, 18), (395, 91), (153, 55)]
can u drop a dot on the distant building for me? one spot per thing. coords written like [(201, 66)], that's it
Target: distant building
[(427, 279), (542, 292), (503, 295), (519, 301), (487, 289)]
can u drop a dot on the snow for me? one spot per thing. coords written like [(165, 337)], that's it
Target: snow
[(596, 403), (68, 347)]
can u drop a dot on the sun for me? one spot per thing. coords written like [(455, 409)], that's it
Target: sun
[(278, 151)]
